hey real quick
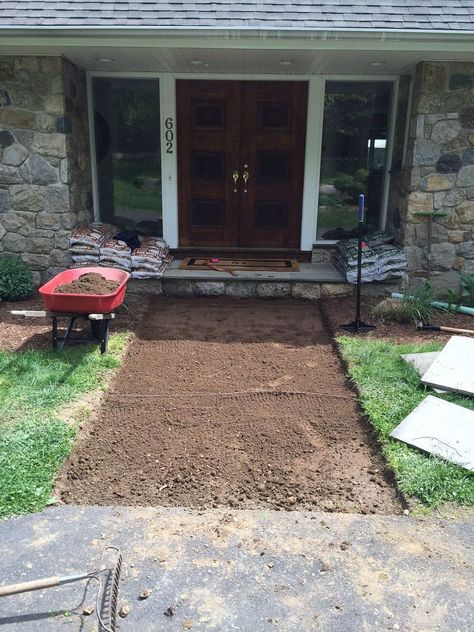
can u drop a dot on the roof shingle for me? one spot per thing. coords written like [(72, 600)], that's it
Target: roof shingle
[(411, 15)]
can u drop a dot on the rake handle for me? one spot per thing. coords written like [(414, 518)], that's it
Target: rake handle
[(453, 330), (38, 584)]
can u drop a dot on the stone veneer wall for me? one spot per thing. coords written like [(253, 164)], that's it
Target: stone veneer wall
[(439, 173), (45, 186)]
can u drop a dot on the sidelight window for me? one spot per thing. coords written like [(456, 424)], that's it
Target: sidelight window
[(353, 155), (127, 147)]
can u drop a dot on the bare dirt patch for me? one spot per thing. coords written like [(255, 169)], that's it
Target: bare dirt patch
[(224, 402), (341, 310)]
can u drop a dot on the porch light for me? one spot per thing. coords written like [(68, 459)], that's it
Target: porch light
[(196, 62), (377, 62), (104, 60), (287, 62)]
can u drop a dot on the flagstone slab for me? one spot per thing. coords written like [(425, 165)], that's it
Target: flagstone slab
[(440, 428)]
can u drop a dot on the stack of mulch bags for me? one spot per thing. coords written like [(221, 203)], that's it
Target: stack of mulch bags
[(85, 243), (380, 259), (150, 259), (105, 245)]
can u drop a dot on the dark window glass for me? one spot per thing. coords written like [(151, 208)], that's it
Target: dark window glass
[(353, 154), (127, 139)]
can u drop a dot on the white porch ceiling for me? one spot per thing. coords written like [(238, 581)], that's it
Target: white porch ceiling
[(240, 61)]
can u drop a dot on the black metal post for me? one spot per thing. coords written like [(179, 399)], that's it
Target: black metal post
[(357, 325)]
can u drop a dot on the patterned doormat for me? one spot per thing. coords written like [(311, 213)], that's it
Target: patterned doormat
[(233, 265)]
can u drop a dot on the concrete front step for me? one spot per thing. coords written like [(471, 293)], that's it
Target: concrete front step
[(235, 288), (311, 282)]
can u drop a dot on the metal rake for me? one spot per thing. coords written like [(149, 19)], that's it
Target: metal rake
[(107, 593)]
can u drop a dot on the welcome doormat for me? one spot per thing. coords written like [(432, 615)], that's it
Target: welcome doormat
[(233, 265)]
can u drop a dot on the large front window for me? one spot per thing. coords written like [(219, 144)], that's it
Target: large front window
[(353, 155), (127, 143)]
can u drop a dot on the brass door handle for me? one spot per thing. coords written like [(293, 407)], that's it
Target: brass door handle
[(245, 176), (235, 177)]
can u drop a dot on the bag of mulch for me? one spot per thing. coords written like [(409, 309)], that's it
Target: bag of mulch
[(115, 247), (346, 250), (93, 235), (390, 260), (105, 263), (85, 259), (378, 238), (148, 254)]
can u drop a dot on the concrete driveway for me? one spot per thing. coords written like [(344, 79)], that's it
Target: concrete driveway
[(252, 571)]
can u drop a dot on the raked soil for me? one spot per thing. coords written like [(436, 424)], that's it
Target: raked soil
[(230, 403)]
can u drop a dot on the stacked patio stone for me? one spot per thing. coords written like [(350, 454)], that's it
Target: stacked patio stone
[(440, 173), (44, 159)]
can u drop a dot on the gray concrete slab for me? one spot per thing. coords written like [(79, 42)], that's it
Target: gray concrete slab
[(422, 362), (452, 369), (441, 428), (308, 273), (252, 571)]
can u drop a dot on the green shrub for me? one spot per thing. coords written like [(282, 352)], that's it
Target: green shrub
[(415, 306), (354, 185), (16, 280)]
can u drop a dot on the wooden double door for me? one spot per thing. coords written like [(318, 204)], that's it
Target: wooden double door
[(240, 163)]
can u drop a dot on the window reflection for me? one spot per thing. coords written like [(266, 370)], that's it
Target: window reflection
[(353, 155), (127, 138)]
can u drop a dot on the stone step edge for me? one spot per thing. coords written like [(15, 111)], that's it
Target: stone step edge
[(254, 289)]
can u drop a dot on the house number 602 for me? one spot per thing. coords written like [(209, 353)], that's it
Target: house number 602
[(169, 135)]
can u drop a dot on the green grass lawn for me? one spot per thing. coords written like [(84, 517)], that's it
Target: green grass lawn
[(34, 440), (389, 390)]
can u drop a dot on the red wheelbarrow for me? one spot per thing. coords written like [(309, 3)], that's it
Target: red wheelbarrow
[(97, 308)]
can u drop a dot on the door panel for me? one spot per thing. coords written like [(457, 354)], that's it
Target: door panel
[(208, 143), (272, 145), (254, 129)]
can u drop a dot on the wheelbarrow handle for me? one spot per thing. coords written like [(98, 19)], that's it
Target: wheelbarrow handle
[(38, 584)]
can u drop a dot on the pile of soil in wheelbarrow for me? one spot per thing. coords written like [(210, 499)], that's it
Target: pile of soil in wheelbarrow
[(88, 283)]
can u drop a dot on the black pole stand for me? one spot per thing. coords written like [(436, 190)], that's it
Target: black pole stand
[(357, 325)]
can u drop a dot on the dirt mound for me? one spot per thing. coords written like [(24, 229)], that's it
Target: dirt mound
[(231, 403), (88, 283)]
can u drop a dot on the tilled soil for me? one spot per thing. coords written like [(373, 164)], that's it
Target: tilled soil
[(341, 310), (88, 283), (224, 402)]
